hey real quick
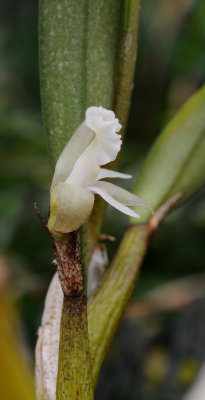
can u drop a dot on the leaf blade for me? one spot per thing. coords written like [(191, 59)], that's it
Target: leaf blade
[(78, 47), (176, 161)]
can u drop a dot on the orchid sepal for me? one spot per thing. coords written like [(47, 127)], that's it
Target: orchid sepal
[(71, 206)]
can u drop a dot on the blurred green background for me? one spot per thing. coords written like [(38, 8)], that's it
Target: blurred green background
[(170, 68)]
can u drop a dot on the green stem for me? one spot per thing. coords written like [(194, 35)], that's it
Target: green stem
[(108, 305), (74, 380), (126, 62), (121, 100), (74, 369)]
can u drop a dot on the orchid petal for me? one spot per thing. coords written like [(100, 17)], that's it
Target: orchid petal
[(108, 173), (70, 207), (104, 147), (86, 178), (80, 140), (107, 142), (115, 203), (122, 195)]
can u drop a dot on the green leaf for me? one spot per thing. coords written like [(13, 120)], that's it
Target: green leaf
[(126, 62), (176, 161), (106, 307), (78, 48), (121, 100)]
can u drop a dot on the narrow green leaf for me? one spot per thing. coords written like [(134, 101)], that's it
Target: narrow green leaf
[(78, 47), (107, 305), (121, 99), (126, 62), (176, 161)]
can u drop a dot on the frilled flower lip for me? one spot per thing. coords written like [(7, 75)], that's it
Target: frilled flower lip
[(78, 174)]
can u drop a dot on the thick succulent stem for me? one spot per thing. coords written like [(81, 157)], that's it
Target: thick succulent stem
[(74, 380), (74, 368)]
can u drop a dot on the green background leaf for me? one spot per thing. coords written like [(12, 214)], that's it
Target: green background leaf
[(177, 159), (121, 99), (78, 48)]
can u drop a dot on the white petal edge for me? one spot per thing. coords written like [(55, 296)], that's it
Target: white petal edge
[(106, 143), (108, 173), (122, 195), (78, 143), (94, 143), (113, 202)]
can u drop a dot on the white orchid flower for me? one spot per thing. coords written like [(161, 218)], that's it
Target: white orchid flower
[(78, 174)]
